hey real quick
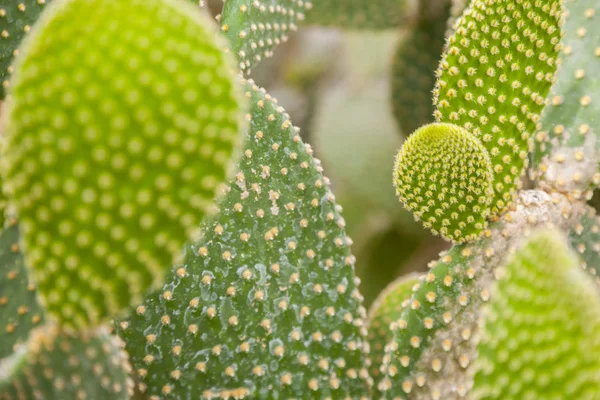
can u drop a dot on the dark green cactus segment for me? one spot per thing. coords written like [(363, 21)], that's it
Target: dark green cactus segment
[(567, 148), (256, 27), (584, 238), (493, 79), (266, 305), (118, 135), (386, 309), (362, 14), (19, 309), (413, 73), (539, 338), (58, 366), (16, 19)]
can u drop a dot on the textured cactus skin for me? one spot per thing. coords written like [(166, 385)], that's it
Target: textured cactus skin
[(256, 27), (433, 342), (566, 152), (539, 337), (584, 238), (16, 19), (58, 366), (109, 180), (19, 309), (362, 14), (443, 175), (386, 309), (413, 72), (266, 306), (494, 76)]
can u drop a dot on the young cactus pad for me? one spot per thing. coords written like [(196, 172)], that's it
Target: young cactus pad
[(567, 151), (16, 19), (444, 176), (19, 309), (118, 134), (255, 27), (54, 365), (539, 338), (266, 305), (493, 79)]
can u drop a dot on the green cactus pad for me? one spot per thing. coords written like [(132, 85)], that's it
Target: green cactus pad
[(567, 147), (539, 337), (16, 20), (256, 27), (266, 305), (362, 14), (57, 366), (386, 309), (19, 309), (413, 73), (443, 175), (118, 134), (584, 238), (493, 79), (433, 338)]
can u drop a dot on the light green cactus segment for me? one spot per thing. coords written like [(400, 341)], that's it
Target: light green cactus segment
[(539, 337), (413, 72), (386, 309), (493, 79), (118, 134), (16, 20), (584, 238), (255, 27), (443, 175), (362, 14), (266, 305), (54, 365), (19, 309), (567, 148)]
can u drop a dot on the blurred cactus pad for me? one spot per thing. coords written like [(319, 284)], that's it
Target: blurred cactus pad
[(168, 231)]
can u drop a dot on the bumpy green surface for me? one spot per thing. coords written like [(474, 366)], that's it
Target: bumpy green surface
[(361, 14), (567, 146), (585, 240), (539, 338), (57, 366), (19, 309), (385, 310), (493, 79), (266, 305), (16, 19), (443, 175), (118, 135), (256, 27), (413, 73)]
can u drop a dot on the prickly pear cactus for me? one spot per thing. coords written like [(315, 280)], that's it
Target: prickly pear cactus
[(266, 305), (16, 20), (539, 337), (256, 27), (117, 137), (494, 76), (584, 238), (54, 365), (363, 14), (19, 308), (567, 153), (443, 174)]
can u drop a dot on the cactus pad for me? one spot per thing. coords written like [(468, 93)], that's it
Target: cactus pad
[(444, 176), (539, 338), (57, 366), (16, 20), (584, 238), (266, 305), (19, 309), (362, 14), (118, 135), (493, 79), (567, 147)]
